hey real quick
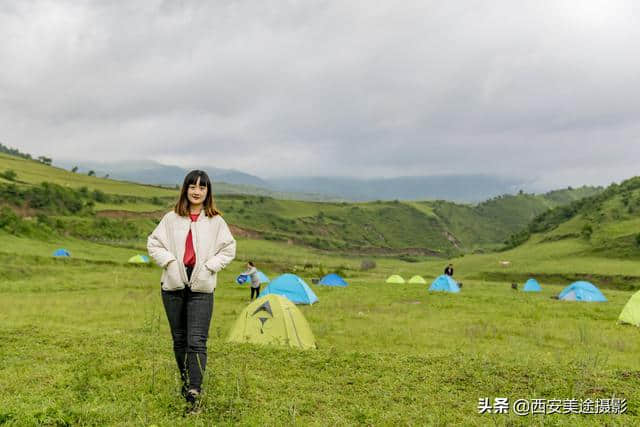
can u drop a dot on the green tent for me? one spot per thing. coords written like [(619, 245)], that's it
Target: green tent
[(418, 280), (273, 319), (631, 311), (395, 279), (139, 259)]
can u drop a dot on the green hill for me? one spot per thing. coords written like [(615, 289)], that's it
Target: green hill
[(109, 210), (608, 223)]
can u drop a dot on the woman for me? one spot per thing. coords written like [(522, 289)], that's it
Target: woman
[(192, 244), (252, 272)]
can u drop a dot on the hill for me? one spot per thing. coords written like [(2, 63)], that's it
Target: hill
[(607, 223), (388, 228)]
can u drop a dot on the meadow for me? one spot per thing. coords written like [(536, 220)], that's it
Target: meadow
[(85, 341)]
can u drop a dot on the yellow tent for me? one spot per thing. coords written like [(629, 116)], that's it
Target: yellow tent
[(273, 319)]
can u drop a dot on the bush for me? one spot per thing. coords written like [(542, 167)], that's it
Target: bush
[(100, 196), (638, 239), (367, 264), (9, 175), (587, 231)]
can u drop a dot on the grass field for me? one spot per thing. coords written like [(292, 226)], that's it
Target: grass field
[(88, 343)]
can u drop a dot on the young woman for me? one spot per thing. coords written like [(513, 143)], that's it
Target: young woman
[(252, 272), (192, 244)]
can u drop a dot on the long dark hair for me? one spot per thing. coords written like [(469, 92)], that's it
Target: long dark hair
[(209, 205)]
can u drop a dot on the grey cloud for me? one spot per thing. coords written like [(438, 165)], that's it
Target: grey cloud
[(540, 90)]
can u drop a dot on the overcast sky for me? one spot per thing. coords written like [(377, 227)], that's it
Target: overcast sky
[(547, 90)]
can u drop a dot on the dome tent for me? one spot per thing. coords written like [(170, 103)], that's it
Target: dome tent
[(532, 285), (61, 253), (582, 291), (139, 259), (444, 283), (333, 280), (418, 280), (272, 319), (291, 286), (631, 311), (395, 278)]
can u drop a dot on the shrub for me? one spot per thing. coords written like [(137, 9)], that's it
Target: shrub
[(9, 175), (587, 231), (99, 196)]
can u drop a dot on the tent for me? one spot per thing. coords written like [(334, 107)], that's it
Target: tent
[(273, 319), (291, 286), (532, 285), (263, 277), (61, 252), (444, 283), (418, 279), (582, 291), (631, 311), (333, 280), (139, 259), (244, 278), (395, 279)]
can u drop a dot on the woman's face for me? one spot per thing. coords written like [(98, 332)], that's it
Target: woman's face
[(196, 194)]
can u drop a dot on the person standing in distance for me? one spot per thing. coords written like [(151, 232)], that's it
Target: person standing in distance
[(449, 270), (192, 244), (252, 272)]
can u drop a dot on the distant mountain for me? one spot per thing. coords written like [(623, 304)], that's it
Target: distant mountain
[(462, 188), (150, 172)]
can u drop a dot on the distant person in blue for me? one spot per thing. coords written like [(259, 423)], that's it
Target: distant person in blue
[(449, 270), (252, 272)]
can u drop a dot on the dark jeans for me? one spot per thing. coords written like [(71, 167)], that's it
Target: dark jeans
[(189, 315), (256, 291)]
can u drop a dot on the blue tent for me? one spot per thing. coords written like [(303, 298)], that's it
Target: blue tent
[(332, 280), (582, 291), (292, 287), (263, 277), (532, 285), (61, 252), (243, 278), (444, 283)]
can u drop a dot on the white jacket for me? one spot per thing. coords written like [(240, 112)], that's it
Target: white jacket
[(213, 244)]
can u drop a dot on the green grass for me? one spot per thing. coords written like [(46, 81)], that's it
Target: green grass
[(87, 343)]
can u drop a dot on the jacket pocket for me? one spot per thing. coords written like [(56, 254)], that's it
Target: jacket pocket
[(205, 281), (171, 280)]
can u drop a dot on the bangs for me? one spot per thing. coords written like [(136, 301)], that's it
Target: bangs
[(193, 176)]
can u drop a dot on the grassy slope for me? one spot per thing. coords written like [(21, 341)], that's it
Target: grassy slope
[(33, 172), (612, 249), (439, 227)]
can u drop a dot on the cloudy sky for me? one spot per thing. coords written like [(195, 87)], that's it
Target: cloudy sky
[(548, 90)]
